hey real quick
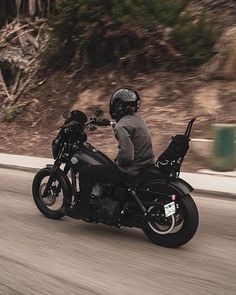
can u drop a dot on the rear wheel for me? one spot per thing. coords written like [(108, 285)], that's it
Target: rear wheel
[(57, 200), (175, 230)]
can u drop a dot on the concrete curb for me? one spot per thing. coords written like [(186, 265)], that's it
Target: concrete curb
[(214, 194), (211, 184), (20, 168), (217, 173)]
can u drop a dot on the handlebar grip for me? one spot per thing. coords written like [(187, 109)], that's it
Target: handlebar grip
[(102, 122), (106, 122)]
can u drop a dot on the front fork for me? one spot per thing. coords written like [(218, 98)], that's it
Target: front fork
[(54, 170)]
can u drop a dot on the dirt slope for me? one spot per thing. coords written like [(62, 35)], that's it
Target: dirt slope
[(169, 100)]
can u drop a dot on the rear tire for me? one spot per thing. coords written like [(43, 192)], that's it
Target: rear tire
[(43, 207), (187, 231)]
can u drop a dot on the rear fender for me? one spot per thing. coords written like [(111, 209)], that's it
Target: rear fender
[(168, 186), (181, 186)]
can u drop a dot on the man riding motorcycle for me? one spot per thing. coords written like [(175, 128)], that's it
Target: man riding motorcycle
[(130, 192), (134, 149)]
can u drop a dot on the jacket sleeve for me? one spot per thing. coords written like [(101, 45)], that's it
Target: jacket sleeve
[(125, 146)]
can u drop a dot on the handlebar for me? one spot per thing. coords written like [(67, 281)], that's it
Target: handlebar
[(100, 122), (68, 127)]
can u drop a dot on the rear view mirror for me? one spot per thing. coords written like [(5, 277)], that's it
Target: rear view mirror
[(67, 114), (99, 113)]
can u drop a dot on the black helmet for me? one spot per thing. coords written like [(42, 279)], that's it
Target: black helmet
[(122, 102)]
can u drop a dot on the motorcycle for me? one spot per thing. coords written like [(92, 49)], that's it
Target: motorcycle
[(157, 201)]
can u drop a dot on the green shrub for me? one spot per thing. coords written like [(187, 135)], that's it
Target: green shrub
[(194, 39), (11, 112), (166, 12), (93, 32), (99, 32)]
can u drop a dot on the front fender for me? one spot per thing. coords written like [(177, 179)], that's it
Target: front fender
[(168, 186)]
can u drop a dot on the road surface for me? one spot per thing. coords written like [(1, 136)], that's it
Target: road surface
[(70, 257)]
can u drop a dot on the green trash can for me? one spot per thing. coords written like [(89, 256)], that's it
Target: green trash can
[(223, 150)]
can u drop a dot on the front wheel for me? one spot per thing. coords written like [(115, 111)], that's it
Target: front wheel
[(57, 200), (177, 229)]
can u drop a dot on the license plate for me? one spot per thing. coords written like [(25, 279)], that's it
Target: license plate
[(169, 209)]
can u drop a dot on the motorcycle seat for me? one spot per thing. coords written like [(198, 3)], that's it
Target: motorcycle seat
[(148, 173)]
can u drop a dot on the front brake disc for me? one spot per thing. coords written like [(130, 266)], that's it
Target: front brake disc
[(50, 199)]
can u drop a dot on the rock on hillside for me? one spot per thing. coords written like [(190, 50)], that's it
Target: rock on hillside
[(223, 14), (221, 11)]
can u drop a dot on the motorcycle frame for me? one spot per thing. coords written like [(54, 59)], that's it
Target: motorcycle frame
[(177, 184)]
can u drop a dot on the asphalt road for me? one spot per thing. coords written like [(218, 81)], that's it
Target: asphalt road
[(42, 256)]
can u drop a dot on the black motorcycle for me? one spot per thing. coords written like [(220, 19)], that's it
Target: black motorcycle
[(156, 201)]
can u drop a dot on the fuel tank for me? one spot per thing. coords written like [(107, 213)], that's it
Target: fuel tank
[(89, 155)]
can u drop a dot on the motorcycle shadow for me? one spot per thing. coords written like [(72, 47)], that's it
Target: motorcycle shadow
[(108, 232)]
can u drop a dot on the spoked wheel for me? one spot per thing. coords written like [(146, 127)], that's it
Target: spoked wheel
[(174, 230), (54, 204)]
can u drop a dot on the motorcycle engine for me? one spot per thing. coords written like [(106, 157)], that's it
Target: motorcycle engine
[(105, 211), (97, 190), (108, 212)]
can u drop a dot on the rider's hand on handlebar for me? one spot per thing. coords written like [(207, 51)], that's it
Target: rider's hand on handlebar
[(113, 124)]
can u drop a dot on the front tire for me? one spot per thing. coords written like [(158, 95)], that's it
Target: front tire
[(47, 206), (189, 226)]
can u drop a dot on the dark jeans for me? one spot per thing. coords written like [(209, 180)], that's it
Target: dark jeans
[(89, 174)]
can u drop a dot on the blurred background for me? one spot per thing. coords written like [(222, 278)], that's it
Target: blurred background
[(179, 54)]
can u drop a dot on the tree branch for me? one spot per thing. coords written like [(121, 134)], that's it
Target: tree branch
[(15, 88)]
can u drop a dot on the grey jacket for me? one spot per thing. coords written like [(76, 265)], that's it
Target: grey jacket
[(134, 144)]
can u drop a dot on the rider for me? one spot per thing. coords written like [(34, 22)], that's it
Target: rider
[(134, 147)]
